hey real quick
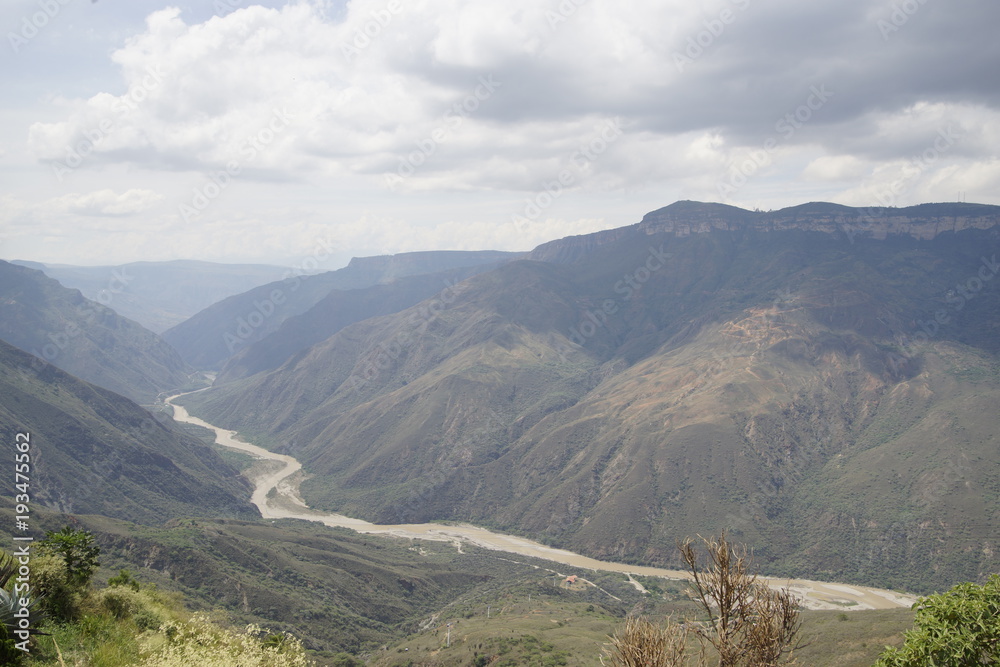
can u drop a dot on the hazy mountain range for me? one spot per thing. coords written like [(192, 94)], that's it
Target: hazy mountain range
[(59, 326), (159, 295), (234, 324)]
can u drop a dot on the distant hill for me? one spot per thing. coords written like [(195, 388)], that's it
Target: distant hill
[(93, 342), (207, 339), (95, 452), (336, 310), (159, 295), (828, 394)]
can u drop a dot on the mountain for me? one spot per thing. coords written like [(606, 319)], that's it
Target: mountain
[(207, 339), (93, 451), (82, 337), (159, 295), (829, 397), (333, 312)]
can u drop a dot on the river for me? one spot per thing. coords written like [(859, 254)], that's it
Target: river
[(286, 503)]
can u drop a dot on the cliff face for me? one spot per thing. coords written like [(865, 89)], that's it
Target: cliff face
[(568, 250), (923, 222)]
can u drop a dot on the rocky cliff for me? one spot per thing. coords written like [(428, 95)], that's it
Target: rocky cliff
[(925, 221)]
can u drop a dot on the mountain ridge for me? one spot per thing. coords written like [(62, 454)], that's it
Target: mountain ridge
[(159, 295), (59, 326), (686, 217), (210, 337)]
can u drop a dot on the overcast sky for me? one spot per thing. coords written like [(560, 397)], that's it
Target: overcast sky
[(238, 132)]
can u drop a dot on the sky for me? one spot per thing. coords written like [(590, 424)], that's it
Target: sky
[(273, 132)]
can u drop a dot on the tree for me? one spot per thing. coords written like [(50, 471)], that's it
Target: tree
[(747, 623), (958, 627), (77, 549)]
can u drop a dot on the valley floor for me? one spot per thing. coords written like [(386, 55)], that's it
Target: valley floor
[(276, 496)]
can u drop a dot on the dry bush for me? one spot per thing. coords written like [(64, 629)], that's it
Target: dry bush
[(747, 623), (642, 643)]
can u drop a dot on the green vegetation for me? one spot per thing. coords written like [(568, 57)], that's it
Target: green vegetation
[(956, 628), (520, 613), (124, 623), (77, 550)]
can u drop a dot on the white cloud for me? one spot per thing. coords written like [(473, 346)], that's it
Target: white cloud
[(480, 107), (835, 168), (107, 202)]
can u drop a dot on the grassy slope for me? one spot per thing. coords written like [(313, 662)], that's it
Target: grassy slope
[(335, 589)]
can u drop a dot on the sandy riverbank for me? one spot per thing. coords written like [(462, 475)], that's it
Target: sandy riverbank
[(286, 503)]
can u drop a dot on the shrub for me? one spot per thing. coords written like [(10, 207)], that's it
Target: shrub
[(59, 599), (124, 578), (641, 643), (126, 602), (955, 628), (199, 642)]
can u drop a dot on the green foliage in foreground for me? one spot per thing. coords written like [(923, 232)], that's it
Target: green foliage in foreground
[(77, 549), (123, 625), (958, 627), (126, 623)]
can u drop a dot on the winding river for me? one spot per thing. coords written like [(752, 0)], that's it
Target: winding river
[(276, 495)]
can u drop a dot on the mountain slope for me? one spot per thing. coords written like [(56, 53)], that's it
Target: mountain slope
[(59, 326), (94, 451), (159, 295), (210, 337), (808, 391), (332, 313)]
